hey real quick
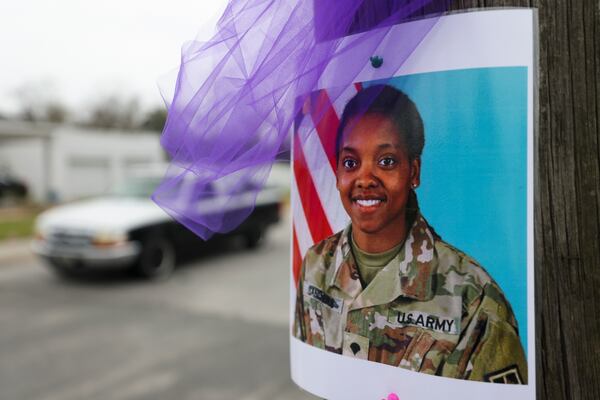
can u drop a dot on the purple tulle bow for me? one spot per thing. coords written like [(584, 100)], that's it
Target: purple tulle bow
[(236, 95)]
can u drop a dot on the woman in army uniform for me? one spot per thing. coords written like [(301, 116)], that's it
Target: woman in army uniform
[(387, 288)]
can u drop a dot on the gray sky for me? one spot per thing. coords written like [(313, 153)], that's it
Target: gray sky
[(82, 49)]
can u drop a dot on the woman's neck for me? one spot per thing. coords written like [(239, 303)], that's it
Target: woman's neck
[(383, 240)]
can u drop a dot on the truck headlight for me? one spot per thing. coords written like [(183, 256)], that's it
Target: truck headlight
[(109, 239)]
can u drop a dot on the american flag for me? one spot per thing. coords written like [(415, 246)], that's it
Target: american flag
[(316, 207)]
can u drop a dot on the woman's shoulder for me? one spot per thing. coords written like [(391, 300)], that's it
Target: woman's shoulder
[(462, 274), (327, 245), (453, 261), (321, 253)]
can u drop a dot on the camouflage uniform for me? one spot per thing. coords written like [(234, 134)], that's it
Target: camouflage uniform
[(432, 309)]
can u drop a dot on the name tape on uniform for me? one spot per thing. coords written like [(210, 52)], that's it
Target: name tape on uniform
[(424, 320), (324, 298)]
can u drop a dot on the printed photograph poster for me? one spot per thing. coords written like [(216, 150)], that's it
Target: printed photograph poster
[(412, 200)]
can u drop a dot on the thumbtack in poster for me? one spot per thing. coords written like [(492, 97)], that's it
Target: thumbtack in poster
[(412, 199)]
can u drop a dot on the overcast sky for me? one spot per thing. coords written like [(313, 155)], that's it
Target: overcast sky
[(82, 49)]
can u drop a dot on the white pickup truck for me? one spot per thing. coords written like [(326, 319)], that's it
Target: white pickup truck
[(126, 229)]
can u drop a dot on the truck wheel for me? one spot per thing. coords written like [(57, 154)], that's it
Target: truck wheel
[(254, 238), (60, 270), (157, 260)]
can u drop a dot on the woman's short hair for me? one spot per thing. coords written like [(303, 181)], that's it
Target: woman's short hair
[(391, 103)]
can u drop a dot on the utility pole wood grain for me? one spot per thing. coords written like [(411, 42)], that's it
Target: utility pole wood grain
[(567, 203)]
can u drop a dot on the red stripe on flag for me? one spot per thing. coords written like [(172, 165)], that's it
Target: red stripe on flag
[(326, 121), (358, 86), (296, 258), (318, 224)]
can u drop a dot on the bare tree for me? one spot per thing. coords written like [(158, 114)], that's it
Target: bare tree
[(115, 112), (155, 120), (38, 101), (56, 112)]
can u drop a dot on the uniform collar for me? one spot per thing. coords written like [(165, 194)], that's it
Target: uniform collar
[(409, 274)]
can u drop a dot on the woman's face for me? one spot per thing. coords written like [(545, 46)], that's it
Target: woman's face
[(375, 176)]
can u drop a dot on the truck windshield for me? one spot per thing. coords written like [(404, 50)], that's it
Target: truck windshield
[(136, 187)]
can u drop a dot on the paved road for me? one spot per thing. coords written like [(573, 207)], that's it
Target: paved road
[(216, 330)]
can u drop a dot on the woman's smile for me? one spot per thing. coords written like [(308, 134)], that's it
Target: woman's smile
[(368, 203)]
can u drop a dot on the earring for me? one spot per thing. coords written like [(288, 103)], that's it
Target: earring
[(414, 185)]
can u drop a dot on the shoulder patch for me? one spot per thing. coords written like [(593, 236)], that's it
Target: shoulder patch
[(508, 375)]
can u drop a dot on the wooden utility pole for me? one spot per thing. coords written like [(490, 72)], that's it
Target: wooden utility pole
[(567, 196)]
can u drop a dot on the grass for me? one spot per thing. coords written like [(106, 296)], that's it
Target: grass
[(17, 226)]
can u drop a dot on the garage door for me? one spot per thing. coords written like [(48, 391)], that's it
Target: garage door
[(87, 176)]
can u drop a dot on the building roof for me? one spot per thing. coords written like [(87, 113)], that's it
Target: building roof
[(15, 129)]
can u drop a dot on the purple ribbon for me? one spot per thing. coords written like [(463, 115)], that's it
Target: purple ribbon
[(237, 95)]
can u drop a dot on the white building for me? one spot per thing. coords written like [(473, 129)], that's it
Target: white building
[(61, 163)]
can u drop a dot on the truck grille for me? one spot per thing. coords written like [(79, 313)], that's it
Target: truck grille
[(68, 239)]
